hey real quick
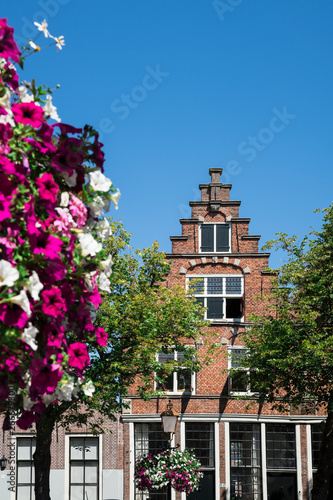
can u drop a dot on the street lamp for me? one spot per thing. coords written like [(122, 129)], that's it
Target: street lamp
[(3, 462), (169, 420)]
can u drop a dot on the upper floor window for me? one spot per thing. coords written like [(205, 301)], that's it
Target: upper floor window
[(242, 380), (180, 380), (221, 295), (215, 238)]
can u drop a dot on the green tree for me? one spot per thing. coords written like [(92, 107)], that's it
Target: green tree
[(290, 347), (142, 317)]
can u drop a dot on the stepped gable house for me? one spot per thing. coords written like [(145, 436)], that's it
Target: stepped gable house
[(246, 452)]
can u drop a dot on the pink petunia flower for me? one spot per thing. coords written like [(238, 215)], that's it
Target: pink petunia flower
[(8, 47), (28, 113), (48, 189), (101, 337), (53, 303), (46, 244), (5, 203), (78, 356), (26, 420), (78, 210)]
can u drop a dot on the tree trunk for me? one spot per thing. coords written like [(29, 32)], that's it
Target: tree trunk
[(322, 484), (42, 455)]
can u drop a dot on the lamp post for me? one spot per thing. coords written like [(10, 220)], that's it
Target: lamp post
[(169, 421), (3, 462)]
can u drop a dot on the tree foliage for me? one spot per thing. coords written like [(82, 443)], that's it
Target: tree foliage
[(290, 347)]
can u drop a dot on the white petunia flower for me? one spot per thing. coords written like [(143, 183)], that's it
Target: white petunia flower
[(71, 181), (50, 109), (98, 182), (96, 207), (29, 335), (88, 388), (64, 391), (103, 283), (60, 41), (103, 229), (90, 281), (89, 246), (34, 286), (48, 398), (23, 93), (106, 265), (22, 301), (5, 101), (8, 273), (43, 27), (77, 386), (27, 403), (115, 198), (64, 199), (7, 119)]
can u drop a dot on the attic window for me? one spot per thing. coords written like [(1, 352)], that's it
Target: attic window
[(214, 238)]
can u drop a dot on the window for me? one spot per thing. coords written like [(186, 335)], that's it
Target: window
[(199, 436), (214, 238), (281, 461), (150, 438), (25, 468), (245, 461), (221, 295), (242, 381), (181, 380), (316, 439), (83, 468)]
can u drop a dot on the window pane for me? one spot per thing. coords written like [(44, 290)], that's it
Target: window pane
[(91, 449), (233, 308), (200, 438), (90, 493), (233, 285), (215, 286), (23, 493), (24, 451), (77, 473), (184, 380), (215, 308), (281, 446), (237, 356), (207, 238), (77, 493), (222, 238), (23, 473), (316, 438), (206, 489), (164, 357), (77, 445), (240, 381), (91, 472), (197, 285), (282, 485)]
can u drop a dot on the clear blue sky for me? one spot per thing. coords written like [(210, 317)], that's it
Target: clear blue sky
[(178, 86)]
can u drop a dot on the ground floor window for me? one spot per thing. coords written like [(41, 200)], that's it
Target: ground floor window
[(83, 468), (147, 438), (245, 461), (199, 437), (25, 486)]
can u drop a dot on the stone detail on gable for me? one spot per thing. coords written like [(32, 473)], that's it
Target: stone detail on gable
[(182, 270), (226, 260), (203, 260), (247, 270), (236, 262), (192, 263), (214, 260)]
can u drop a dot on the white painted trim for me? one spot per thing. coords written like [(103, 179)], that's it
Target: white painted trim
[(67, 439), (182, 447), (227, 459), (100, 459), (299, 461), (131, 461), (217, 459), (217, 417), (263, 462), (309, 459)]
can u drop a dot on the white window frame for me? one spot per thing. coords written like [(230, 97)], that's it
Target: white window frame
[(13, 495), (100, 461), (215, 224), (248, 392), (224, 295), (175, 380)]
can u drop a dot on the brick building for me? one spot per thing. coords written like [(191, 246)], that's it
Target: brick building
[(247, 452)]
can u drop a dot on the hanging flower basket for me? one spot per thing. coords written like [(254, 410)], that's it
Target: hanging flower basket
[(179, 469)]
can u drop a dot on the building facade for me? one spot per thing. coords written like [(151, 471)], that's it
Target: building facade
[(247, 452)]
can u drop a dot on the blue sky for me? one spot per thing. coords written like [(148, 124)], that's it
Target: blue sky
[(178, 86)]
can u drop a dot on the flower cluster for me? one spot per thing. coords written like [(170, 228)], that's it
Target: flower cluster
[(53, 267), (179, 469)]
